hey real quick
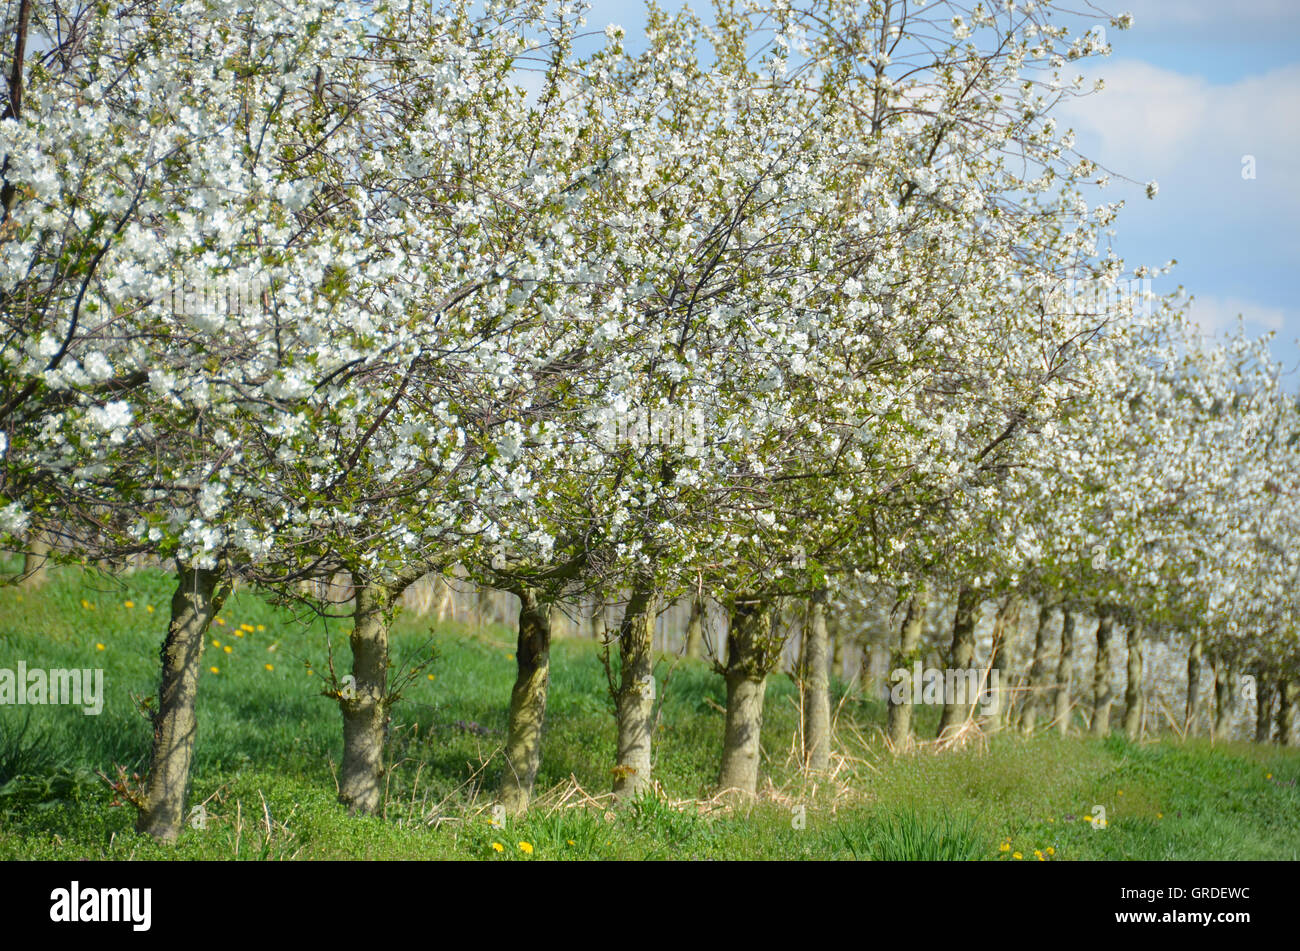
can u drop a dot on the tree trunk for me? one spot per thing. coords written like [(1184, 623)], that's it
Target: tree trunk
[(752, 651), (1037, 673), (1005, 628), (635, 700), (1192, 715), (1102, 693), (198, 598), (908, 653), (816, 687), (523, 751), (1064, 673), (836, 640), (34, 561), (1225, 698), (961, 657), (1288, 692), (363, 701), (695, 630), (1265, 693), (1133, 702)]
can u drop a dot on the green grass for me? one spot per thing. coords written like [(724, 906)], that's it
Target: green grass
[(268, 745)]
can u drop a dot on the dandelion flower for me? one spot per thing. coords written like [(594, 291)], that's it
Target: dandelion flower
[(226, 648), (1038, 854), (215, 670), (270, 666), (1016, 855), (128, 604), (246, 627), (221, 621), (99, 647), (526, 848), (149, 608), (430, 676), (571, 842), (261, 627), (216, 643), (1160, 815), (1051, 850), (497, 846), (85, 604), (1005, 847)]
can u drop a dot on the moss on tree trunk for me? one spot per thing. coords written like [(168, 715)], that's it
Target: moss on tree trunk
[(363, 701), (815, 674), (1133, 703), (1288, 692), (523, 750), (1064, 674), (1005, 630), (1225, 698), (197, 600), (752, 651), (961, 657), (1265, 694), (1037, 674), (635, 700), (1192, 713), (1103, 693), (695, 629)]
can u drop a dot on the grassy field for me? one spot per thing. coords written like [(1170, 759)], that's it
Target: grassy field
[(268, 746)]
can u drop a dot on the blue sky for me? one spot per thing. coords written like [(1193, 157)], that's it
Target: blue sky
[(1191, 90)]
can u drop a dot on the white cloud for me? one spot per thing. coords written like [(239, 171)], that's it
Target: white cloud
[(1151, 122), (1215, 315)]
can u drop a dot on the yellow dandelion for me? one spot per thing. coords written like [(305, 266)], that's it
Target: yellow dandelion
[(526, 848), (216, 643), (246, 627), (309, 671), (239, 633), (571, 842), (1160, 815), (270, 666), (149, 608), (1005, 847), (430, 676), (99, 647), (226, 648), (215, 670), (85, 604), (1016, 855), (221, 621), (1266, 775), (128, 604), (498, 847), (1120, 793), (510, 656), (1038, 854), (1051, 850), (261, 627), (1051, 819)]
